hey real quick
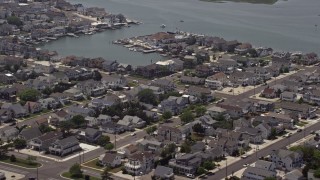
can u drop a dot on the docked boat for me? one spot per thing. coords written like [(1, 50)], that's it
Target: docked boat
[(163, 26)]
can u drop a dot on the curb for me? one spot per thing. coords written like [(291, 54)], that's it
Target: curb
[(64, 177), (21, 166)]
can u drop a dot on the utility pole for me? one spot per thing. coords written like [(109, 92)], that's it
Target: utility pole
[(37, 173), (79, 158), (226, 168), (115, 141)]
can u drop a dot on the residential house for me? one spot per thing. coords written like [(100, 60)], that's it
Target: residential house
[(74, 94), (131, 122), (192, 80), (110, 66), (59, 116), (114, 81), (33, 107), (151, 114), (216, 111), (150, 145), (48, 103), (252, 134), (203, 71), (43, 67), (286, 159), (91, 121), (92, 135), (226, 66), (9, 134), (216, 81), (309, 59), (61, 77), (281, 63), (304, 111), (64, 146), (43, 142), (264, 106), (269, 93), (129, 150), (17, 110), (112, 128), (243, 49), (265, 130), (241, 123), (30, 133), (284, 119), (168, 133), (103, 119), (77, 110), (164, 84), (60, 98), (173, 65), (173, 104), (110, 159), (295, 174), (5, 115), (140, 163), (256, 173), (185, 164), (203, 94), (8, 93), (92, 88), (312, 96), (163, 172), (124, 67), (244, 78), (266, 165), (288, 96), (234, 111), (151, 71), (7, 78)]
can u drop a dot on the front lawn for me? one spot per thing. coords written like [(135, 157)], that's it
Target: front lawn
[(68, 175), (21, 162), (93, 164)]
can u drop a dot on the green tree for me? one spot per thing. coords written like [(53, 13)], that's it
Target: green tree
[(286, 70), (103, 140), (200, 110), (19, 143), (75, 171), (185, 148), (300, 101), (208, 165), (147, 96), (187, 117), (13, 158), (29, 95), (317, 173), (109, 146), (47, 91), (151, 129), (167, 115), (197, 128), (31, 160), (105, 175), (14, 20), (273, 134), (168, 150), (45, 128), (65, 127), (78, 120), (201, 170)]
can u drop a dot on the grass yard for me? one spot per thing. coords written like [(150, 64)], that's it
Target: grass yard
[(93, 164), (68, 175), (302, 123), (21, 162)]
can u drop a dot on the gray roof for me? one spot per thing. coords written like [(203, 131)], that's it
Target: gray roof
[(67, 140), (91, 131), (30, 133), (262, 164), (259, 172)]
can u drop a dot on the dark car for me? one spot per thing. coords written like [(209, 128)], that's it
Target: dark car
[(299, 130), (12, 124)]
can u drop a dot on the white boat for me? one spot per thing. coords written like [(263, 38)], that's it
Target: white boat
[(163, 26)]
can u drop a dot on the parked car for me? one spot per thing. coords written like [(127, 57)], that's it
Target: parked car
[(299, 130)]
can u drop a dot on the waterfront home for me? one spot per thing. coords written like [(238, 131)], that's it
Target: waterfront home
[(42, 143), (173, 65), (192, 80), (309, 59), (163, 172), (243, 49), (140, 163), (64, 146), (123, 68), (151, 71), (110, 66), (286, 159), (110, 159)]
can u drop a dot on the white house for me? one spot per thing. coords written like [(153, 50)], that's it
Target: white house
[(285, 159)]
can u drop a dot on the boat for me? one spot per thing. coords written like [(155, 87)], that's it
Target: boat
[(149, 51), (163, 26), (181, 20)]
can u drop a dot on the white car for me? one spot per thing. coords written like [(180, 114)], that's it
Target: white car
[(190, 175), (133, 134)]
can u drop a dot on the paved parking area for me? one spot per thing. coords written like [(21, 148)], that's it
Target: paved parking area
[(12, 176)]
